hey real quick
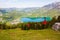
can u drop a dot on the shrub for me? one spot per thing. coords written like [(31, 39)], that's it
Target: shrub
[(7, 26), (19, 25), (2, 26), (11, 26), (52, 21), (58, 19), (33, 25), (24, 27)]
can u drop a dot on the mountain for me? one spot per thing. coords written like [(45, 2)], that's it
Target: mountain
[(49, 10)]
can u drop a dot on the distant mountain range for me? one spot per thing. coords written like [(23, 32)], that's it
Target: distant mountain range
[(49, 10)]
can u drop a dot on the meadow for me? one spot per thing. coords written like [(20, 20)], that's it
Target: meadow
[(18, 34)]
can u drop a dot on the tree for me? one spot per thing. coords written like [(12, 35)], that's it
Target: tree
[(53, 21), (58, 19)]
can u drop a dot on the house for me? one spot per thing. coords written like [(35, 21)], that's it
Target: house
[(56, 26)]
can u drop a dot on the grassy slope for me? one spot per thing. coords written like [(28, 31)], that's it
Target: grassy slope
[(17, 34)]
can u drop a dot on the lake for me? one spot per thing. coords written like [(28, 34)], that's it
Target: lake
[(35, 19)]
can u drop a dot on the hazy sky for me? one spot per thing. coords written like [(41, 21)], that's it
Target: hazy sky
[(24, 3)]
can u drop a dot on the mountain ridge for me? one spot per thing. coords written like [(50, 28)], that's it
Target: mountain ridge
[(49, 10)]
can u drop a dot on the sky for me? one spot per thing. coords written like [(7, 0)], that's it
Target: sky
[(25, 3)]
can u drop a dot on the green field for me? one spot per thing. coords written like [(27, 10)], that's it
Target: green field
[(18, 34)]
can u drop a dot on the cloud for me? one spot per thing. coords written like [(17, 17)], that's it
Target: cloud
[(24, 3)]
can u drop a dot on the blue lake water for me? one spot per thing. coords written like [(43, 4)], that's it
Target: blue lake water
[(36, 19)]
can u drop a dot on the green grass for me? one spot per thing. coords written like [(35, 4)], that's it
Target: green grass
[(18, 34)]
